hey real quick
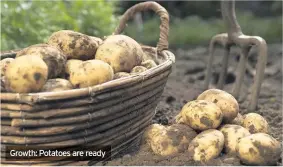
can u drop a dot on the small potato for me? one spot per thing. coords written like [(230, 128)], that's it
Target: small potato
[(4, 64), (58, 84), (138, 69), (207, 145), (174, 139), (225, 101), (152, 131), (26, 74), (238, 120), (255, 123), (52, 56), (149, 64), (259, 149), (75, 45), (72, 65), (232, 133), (91, 73), (121, 52), (200, 115), (121, 75)]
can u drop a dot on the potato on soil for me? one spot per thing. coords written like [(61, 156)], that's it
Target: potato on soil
[(200, 115), (232, 133), (4, 64), (75, 45), (72, 65), (152, 130), (238, 120), (138, 69), (149, 64), (52, 56), (207, 145), (225, 101), (26, 74), (58, 84), (171, 140), (255, 123), (121, 52), (91, 73), (121, 75), (259, 149)]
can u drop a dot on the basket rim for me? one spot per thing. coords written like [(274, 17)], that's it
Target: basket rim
[(32, 98)]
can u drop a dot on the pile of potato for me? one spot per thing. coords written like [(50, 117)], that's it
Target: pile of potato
[(70, 60), (211, 125)]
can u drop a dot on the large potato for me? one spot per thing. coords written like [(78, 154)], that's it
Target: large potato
[(171, 140), (232, 133), (259, 149), (53, 57), (206, 145), (74, 44), (26, 74), (121, 52), (91, 73), (255, 123), (238, 120), (72, 65), (225, 101), (200, 115), (58, 84)]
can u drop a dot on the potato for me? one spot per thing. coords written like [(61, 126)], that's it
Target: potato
[(259, 149), (91, 73), (232, 133), (171, 140), (225, 101), (206, 145), (138, 69), (200, 115), (255, 123), (149, 64), (53, 57), (58, 84), (75, 45), (238, 120), (26, 74), (121, 52), (71, 65), (4, 64), (152, 131), (121, 75)]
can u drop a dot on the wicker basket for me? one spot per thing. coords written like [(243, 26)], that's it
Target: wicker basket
[(114, 113)]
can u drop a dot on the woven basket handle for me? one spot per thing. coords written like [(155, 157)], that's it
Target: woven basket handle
[(161, 11)]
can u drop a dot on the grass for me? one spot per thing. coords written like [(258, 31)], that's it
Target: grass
[(196, 31)]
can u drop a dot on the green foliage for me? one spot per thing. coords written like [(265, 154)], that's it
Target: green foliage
[(194, 30), (29, 22)]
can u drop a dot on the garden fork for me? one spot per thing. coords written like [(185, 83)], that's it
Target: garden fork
[(235, 36)]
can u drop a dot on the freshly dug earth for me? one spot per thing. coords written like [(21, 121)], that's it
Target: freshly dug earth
[(185, 84)]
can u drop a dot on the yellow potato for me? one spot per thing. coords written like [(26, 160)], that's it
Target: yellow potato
[(200, 115), (225, 101), (171, 140), (58, 84), (121, 52), (255, 123), (121, 75), (138, 69), (152, 131), (4, 64), (53, 57), (72, 65), (149, 64), (232, 133), (207, 145), (91, 73), (259, 149), (238, 120), (75, 45), (26, 74)]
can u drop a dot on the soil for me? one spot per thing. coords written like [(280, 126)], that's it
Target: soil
[(185, 84)]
